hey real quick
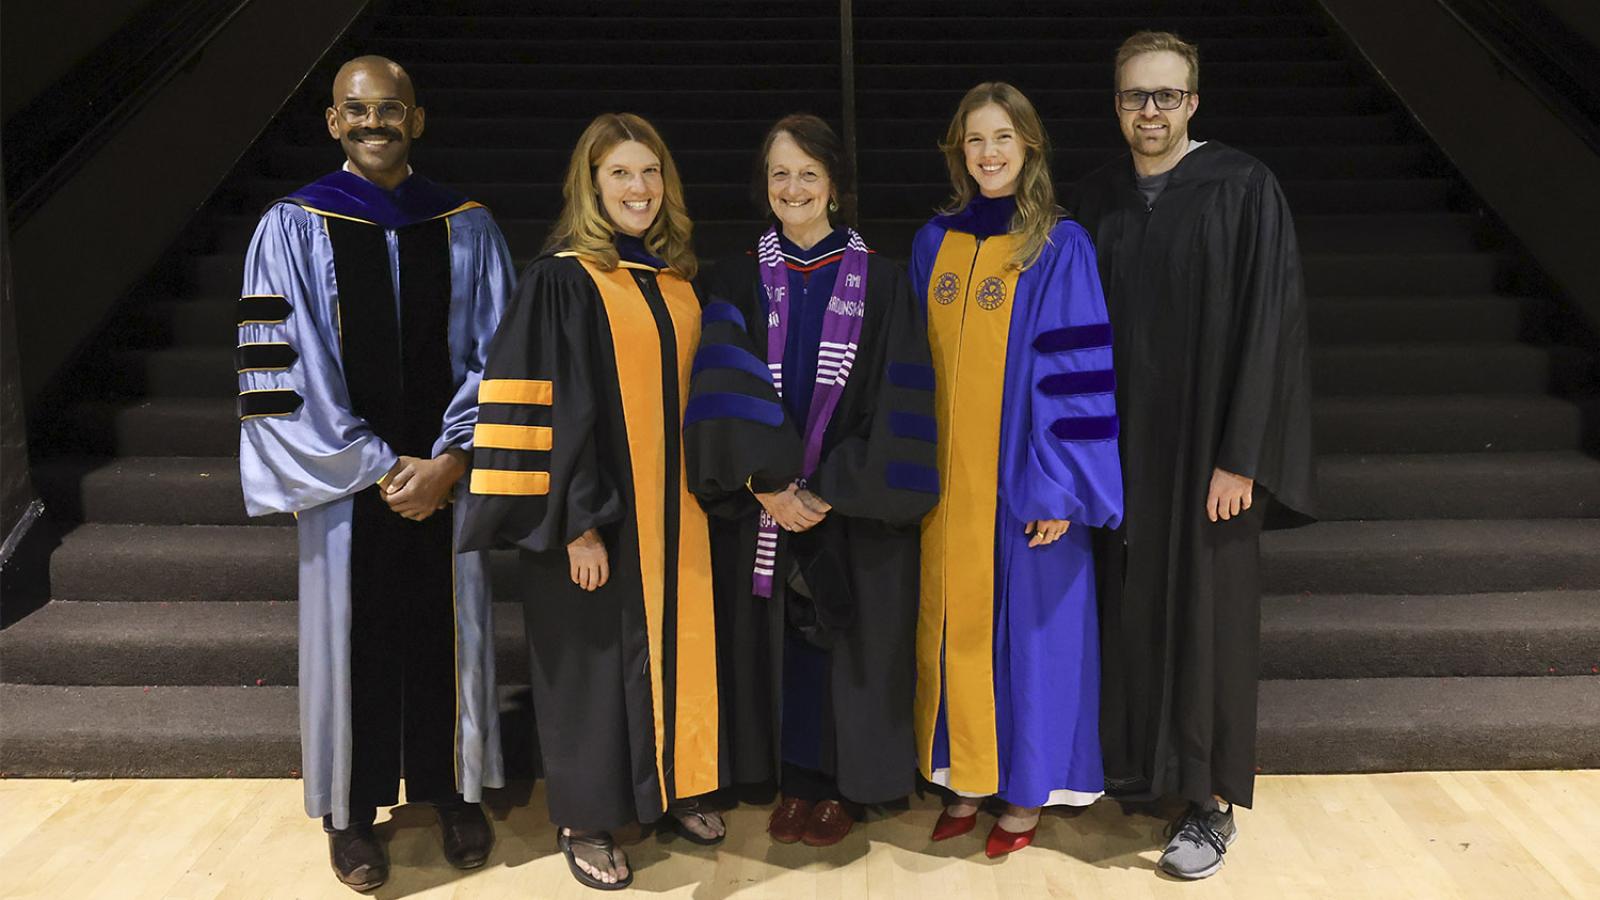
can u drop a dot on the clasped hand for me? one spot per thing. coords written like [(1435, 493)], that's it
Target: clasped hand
[(1229, 495), (794, 508), (589, 563), (416, 487)]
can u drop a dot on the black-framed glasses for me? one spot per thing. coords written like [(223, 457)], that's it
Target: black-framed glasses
[(390, 112), (1166, 98)]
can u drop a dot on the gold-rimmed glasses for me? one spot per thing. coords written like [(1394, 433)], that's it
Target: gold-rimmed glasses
[(390, 112)]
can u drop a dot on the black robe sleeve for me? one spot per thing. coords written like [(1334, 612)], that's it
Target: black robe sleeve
[(1266, 432), (536, 480), (884, 466), (737, 435)]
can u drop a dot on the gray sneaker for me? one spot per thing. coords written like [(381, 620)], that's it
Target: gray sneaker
[(1198, 841)]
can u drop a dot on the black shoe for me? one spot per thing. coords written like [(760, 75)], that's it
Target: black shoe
[(468, 837), (358, 857)]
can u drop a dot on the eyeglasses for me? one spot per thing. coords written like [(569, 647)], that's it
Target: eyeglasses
[(1133, 101), (390, 112)]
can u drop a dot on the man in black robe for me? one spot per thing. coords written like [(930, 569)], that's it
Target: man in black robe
[(1202, 278)]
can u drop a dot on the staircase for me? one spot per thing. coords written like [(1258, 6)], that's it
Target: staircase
[(1445, 614)]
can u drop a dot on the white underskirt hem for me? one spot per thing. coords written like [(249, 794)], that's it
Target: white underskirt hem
[(1061, 797)]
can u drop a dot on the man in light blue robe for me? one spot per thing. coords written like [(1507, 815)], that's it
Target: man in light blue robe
[(369, 300)]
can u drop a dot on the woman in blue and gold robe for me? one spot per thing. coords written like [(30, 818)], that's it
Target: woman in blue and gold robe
[(1008, 667)]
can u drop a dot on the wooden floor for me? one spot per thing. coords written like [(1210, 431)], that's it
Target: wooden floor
[(1457, 834)]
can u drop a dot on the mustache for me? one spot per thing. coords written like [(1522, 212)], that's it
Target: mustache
[(360, 134)]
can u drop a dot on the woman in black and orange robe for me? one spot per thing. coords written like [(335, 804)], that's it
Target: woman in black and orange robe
[(579, 465)]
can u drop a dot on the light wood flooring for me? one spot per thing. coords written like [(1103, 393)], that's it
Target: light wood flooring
[(1455, 834)]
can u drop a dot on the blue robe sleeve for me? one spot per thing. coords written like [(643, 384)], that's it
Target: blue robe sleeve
[(300, 445), (1067, 466), (483, 276)]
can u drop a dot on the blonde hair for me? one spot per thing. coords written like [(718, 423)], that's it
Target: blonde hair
[(1036, 194), (1156, 42), (583, 226)]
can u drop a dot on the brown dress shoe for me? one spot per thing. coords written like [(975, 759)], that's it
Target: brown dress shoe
[(828, 825), (468, 837), (358, 857), (788, 822)]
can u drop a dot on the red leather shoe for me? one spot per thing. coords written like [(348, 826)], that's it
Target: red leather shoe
[(828, 825), (1002, 841), (950, 826), (788, 822)]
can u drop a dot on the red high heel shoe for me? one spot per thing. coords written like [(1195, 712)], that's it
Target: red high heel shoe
[(950, 826), (1002, 841)]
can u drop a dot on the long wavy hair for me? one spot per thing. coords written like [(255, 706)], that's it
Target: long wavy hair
[(583, 226), (1036, 193)]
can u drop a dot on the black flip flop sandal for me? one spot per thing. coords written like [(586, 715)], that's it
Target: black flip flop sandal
[(686, 832), (564, 843)]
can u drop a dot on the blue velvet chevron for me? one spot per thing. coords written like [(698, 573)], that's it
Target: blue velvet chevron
[(1085, 428), (1075, 337), (913, 425), (1066, 384), (722, 311), (911, 477), (732, 406), (911, 375), (728, 356)]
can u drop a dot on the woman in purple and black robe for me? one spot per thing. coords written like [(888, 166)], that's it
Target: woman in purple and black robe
[(810, 439)]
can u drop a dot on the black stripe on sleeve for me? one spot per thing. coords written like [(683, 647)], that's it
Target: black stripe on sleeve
[(268, 403), (263, 357)]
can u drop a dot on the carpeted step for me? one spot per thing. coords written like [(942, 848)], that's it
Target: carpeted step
[(1488, 318), (1446, 424), (791, 73), (150, 732), (1404, 724), (1038, 23), (1432, 556), (147, 490), (183, 321), (216, 276), (161, 563), (220, 644), (1410, 232), (1550, 485), (1332, 725), (208, 426), (449, 129), (1387, 274), (893, 9), (1389, 636), (178, 371), (1379, 369), (913, 164), (644, 51), (128, 643), (731, 200), (1437, 232), (157, 426)]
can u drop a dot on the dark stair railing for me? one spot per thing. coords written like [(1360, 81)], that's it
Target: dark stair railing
[(1553, 61), (57, 132)]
